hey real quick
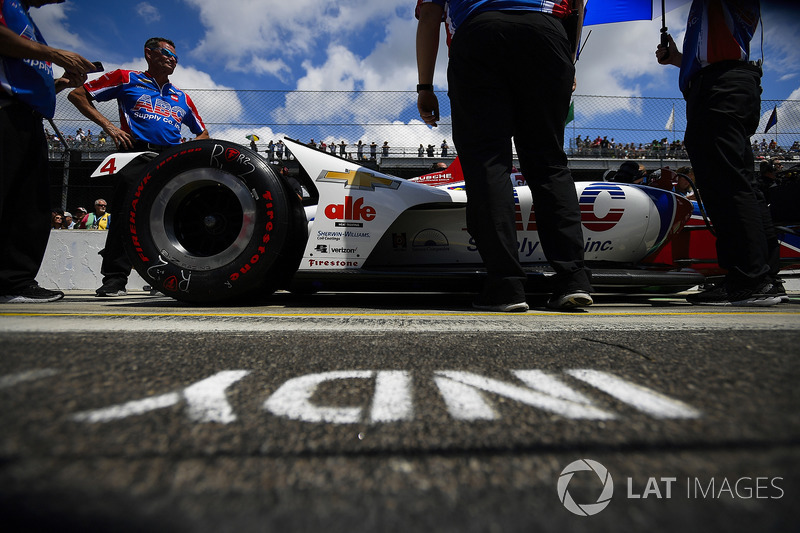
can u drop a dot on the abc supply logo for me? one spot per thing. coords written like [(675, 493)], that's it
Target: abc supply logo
[(604, 477), (613, 195)]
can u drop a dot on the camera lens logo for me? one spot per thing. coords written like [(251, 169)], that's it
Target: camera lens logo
[(585, 509)]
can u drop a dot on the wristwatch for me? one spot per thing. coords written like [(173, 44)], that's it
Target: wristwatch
[(424, 87)]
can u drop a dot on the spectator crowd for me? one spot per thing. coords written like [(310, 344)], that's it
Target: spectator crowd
[(98, 219)]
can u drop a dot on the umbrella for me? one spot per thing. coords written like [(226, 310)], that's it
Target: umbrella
[(607, 11), (252, 137)]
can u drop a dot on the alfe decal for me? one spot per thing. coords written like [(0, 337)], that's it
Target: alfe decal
[(587, 202), (350, 210), (358, 179)]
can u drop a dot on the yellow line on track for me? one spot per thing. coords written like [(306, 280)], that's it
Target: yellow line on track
[(296, 315)]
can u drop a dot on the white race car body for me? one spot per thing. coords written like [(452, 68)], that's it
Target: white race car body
[(210, 221), (368, 219)]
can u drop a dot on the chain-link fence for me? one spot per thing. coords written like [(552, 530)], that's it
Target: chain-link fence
[(608, 126), (387, 123)]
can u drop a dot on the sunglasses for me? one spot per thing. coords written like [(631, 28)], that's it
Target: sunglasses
[(167, 53)]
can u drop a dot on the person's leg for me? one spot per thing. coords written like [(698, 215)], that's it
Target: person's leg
[(116, 266), (481, 113), (722, 113), (24, 199), (541, 98)]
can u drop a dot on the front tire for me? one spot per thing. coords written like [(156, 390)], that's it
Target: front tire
[(210, 221)]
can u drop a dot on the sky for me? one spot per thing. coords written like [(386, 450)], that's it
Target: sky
[(368, 45)]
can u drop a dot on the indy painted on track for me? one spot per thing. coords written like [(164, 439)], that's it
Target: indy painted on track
[(468, 396)]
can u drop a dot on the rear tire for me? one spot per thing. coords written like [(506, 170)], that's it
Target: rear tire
[(210, 221)]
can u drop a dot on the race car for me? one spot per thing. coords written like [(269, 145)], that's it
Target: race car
[(210, 221)]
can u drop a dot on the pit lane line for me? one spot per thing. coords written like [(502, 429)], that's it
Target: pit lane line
[(635, 310)]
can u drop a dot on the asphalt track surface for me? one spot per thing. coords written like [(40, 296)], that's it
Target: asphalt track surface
[(397, 412)]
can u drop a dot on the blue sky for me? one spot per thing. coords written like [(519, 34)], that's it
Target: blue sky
[(365, 44)]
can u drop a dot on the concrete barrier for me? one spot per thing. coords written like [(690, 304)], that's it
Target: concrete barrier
[(72, 261)]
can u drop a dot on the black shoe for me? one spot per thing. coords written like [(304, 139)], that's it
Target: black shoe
[(778, 290), (519, 307), (721, 296), (570, 300), (112, 287), (32, 294)]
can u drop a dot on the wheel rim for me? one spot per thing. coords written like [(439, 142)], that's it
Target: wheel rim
[(203, 219)]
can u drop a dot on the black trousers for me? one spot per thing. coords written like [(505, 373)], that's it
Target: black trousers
[(510, 76), (116, 265), (24, 196), (723, 106)]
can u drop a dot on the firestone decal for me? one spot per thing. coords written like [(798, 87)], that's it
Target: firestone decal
[(332, 263)]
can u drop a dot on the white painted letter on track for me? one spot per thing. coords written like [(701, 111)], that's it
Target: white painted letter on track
[(391, 400), (205, 402)]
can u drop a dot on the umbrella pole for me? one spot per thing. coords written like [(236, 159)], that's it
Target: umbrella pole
[(664, 34)]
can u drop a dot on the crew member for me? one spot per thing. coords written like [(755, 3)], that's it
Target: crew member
[(151, 112), (490, 39), (722, 88), (27, 94)]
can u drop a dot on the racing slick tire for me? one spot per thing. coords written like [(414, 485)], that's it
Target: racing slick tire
[(210, 221)]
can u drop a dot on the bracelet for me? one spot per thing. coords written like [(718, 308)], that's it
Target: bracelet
[(424, 87)]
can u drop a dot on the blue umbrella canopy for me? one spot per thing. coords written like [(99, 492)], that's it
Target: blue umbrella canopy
[(608, 11)]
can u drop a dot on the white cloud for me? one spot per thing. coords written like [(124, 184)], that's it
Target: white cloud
[(52, 22), (619, 59), (248, 32), (148, 12), (781, 35)]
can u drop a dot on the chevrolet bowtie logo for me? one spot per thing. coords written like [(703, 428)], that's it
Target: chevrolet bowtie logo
[(358, 179)]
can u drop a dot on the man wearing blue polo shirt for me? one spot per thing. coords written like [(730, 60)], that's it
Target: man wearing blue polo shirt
[(27, 94), (151, 114), (510, 75)]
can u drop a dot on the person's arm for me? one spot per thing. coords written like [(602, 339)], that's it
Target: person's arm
[(81, 99), (74, 65), (193, 121), (430, 20)]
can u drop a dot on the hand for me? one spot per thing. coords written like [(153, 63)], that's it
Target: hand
[(122, 139), (428, 106), (669, 55), (72, 62), (70, 79)]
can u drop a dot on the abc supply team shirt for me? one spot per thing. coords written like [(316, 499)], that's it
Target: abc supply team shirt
[(28, 80), (717, 30), (148, 112), (458, 11)]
